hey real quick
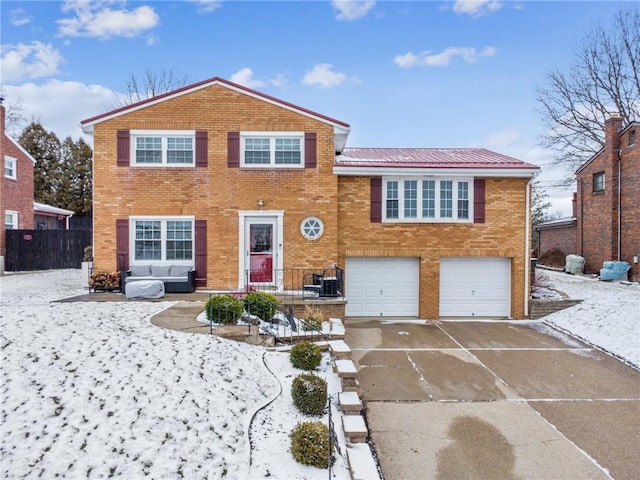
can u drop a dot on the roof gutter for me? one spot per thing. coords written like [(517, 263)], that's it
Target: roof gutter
[(527, 250)]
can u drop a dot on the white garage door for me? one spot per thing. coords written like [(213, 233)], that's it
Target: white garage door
[(382, 287), (475, 287)]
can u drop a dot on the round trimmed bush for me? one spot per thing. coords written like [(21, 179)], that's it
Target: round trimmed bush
[(309, 393), (262, 305), (310, 444), (223, 309), (305, 355)]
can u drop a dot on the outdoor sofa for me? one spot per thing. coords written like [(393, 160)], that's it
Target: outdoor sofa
[(176, 278)]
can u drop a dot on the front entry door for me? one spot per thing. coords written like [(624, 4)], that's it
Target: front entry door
[(260, 251)]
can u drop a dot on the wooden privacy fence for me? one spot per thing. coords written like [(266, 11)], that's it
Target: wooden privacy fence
[(45, 249)]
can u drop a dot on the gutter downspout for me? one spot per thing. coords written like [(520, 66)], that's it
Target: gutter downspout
[(619, 203), (527, 249)]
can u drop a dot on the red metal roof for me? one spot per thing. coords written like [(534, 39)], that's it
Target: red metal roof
[(428, 158), (214, 80)]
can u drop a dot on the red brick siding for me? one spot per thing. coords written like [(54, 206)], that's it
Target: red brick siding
[(15, 195), (630, 201), (597, 233), (561, 237)]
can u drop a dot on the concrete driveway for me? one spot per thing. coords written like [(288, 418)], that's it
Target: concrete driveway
[(494, 400)]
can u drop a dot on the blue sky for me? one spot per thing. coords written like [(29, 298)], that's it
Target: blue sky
[(403, 74)]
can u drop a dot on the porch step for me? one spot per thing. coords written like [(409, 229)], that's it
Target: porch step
[(345, 368), (340, 349), (350, 385), (337, 327), (355, 430), (350, 403), (362, 464)]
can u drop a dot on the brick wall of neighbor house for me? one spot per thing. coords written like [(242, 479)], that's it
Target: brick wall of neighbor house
[(630, 201), (561, 237), (597, 235), (502, 235), (215, 193), (15, 195)]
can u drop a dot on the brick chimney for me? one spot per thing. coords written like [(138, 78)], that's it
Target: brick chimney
[(2, 114), (612, 127)]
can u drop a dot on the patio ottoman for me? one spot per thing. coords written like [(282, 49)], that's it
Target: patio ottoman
[(144, 289)]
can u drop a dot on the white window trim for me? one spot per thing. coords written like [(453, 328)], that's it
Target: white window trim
[(14, 168), (163, 238), (319, 225), (271, 136), (14, 221), (164, 135), (419, 218), (246, 216)]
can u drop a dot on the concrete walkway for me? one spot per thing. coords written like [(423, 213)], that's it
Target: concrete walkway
[(494, 400)]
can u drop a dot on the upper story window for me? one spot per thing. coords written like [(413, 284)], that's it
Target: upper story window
[(10, 168), (272, 149), (162, 239), (10, 220), (427, 200), (163, 148), (632, 137), (598, 182)]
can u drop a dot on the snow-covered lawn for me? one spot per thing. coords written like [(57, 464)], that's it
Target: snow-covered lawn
[(608, 317), (93, 390)]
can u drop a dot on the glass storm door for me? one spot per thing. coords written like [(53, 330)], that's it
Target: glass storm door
[(260, 251)]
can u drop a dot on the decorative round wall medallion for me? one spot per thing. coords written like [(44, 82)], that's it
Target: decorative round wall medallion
[(311, 228)]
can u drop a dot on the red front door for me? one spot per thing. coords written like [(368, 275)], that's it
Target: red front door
[(261, 252)]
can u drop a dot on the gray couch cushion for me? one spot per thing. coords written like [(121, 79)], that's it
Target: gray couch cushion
[(140, 270), (179, 270), (160, 270)]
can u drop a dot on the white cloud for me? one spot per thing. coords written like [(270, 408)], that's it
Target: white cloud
[(207, 6), (321, 74), (60, 106), (28, 62), (476, 8), (502, 139), (20, 17), (97, 20), (244, 77), (352, 9), (444, 58)]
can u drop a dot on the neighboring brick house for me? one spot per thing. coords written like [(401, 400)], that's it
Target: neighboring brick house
[(608, 199), (557, 234), (16, 186), (606, 223), (225, 178)]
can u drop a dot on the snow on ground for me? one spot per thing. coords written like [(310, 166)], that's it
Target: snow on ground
[(608, 317), (93, 390)]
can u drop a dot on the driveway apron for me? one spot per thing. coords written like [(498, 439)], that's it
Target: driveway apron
[(494, 400)]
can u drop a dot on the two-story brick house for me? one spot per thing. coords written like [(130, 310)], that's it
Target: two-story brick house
[(16, 186), (227, 179), (606, 219), (608, 200)]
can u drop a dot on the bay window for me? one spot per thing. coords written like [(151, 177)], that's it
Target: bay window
[(427, 200)]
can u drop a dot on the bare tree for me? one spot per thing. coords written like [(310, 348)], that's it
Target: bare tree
[(151, 84), (14, 117), (604, 79)]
